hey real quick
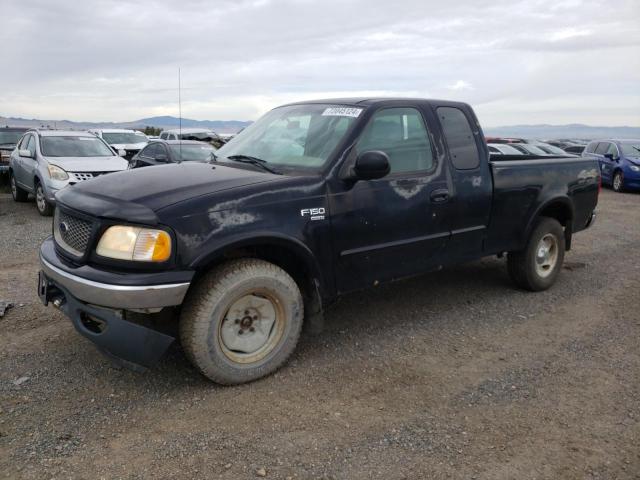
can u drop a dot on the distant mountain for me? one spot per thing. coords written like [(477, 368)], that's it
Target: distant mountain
[(576, 130), (164, 122)]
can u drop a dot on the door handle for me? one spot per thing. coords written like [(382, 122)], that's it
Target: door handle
[(440, 196)]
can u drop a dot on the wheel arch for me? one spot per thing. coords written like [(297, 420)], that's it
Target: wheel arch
[(558, 208), (288, 253)]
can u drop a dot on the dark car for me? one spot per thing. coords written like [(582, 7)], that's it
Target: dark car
[(574, 149), (9, 137), (619, 162), (160, 152), (313, 200)]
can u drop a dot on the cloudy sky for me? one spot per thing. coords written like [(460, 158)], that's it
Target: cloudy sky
[(537, 61)]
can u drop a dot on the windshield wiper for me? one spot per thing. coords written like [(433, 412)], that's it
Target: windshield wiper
[(258, 162)]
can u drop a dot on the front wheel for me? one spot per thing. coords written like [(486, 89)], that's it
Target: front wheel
[(241, 321), (42, 204), (618, 182), (537, 266)]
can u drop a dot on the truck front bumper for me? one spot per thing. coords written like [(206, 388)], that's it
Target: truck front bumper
[(98, 310)]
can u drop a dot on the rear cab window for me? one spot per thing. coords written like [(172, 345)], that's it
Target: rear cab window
[(459, 137)]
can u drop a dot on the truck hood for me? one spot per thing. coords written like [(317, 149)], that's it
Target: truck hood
[(89, 164), (135, 195)]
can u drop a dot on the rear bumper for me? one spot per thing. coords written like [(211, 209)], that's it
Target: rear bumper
[(591, 221)]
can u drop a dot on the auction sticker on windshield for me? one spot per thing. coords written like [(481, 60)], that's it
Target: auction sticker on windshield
[(341, 112)]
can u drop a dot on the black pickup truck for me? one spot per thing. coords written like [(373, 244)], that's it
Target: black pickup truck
[(312, 201)]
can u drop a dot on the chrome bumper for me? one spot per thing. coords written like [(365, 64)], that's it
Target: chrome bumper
[(117, 296)]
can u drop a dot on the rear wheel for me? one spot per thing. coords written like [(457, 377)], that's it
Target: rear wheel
[(618, 181), (537, 266), (241, 321), (44, 207), (18, 194)]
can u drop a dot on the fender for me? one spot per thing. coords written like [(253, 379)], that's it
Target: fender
[(565, 202), (266, 238)]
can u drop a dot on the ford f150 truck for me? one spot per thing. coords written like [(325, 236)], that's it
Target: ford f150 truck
[(310, 202)]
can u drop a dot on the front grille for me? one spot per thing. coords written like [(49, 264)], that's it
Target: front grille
[(71, 233), (82, 176)]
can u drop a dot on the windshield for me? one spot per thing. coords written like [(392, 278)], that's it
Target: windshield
[(530, 149), (74, 147), (507, 150), (124, 137), (551, 149), (294, 136), (631, 149), (192, 153), (10, 138)]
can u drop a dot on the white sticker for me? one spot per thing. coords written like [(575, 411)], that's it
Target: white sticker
[(341, 112)]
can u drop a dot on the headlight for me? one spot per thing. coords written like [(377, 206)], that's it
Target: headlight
[(134, 243), (635, 168), (56, 173)]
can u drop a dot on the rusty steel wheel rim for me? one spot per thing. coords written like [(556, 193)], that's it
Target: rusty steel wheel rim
[(252, 327)]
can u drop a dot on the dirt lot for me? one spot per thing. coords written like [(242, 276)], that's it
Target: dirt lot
[(451, 375)]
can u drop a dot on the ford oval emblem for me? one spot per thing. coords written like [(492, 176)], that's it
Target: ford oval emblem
[(64, 227)]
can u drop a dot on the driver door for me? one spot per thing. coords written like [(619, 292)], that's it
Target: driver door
[(395, 226)]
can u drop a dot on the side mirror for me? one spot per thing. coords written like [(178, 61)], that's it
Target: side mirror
[(122, 153), (23, 152), (161, 158), (371, 165)]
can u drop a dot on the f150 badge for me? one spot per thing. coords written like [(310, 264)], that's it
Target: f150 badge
[(313, 213)]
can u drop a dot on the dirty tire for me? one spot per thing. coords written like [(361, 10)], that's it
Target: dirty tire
[(18, 194), (42, 205), (522, 265), (618, 182), (206, 319)]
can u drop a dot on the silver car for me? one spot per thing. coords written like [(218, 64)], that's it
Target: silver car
[(45, 161)]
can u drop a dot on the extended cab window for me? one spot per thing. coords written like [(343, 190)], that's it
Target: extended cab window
[(459, 136), (402, 135)]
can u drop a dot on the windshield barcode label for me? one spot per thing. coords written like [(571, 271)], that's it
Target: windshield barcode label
[(341, 112)]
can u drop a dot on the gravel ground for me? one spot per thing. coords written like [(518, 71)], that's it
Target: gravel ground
[(451, 375)]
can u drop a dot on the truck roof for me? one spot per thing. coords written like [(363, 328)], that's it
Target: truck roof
[(370, 101)]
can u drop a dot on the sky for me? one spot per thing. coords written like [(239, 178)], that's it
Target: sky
[(537, 61)]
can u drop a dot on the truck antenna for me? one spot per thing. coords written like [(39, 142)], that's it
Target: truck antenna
[(179, 114)]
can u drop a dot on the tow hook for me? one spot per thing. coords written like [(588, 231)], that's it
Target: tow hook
[(57, 302)]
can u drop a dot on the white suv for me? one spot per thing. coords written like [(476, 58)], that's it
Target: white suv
[(130, 141)]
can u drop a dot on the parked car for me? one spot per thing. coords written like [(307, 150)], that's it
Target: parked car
[(502, 149), (575, 149), (9, 137), (312, 201), (619, 162), (173, 151), (201, 134), (550, 149), (129, 141), (530, 149), (47, 161)]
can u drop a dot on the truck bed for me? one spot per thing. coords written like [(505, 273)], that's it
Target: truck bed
[(521, 189)]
